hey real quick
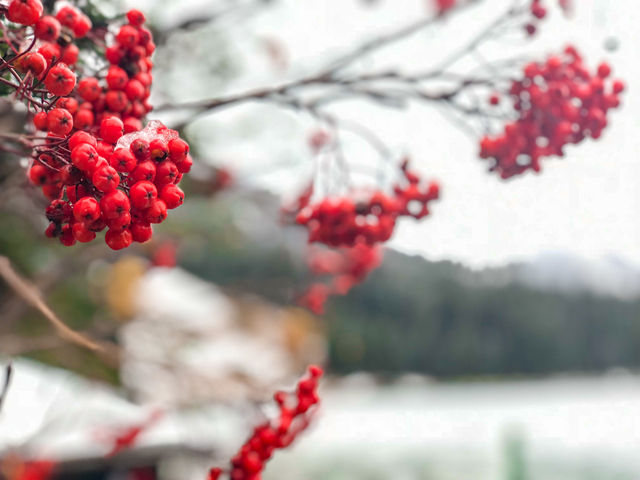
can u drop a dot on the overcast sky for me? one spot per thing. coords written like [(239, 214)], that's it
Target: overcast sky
[(586, 204)]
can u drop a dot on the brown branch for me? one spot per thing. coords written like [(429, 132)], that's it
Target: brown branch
[(7, 381), (31, 295)]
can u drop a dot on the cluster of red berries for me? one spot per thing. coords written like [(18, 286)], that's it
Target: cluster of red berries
[(367, 217), (96, 163), (557, 102), (347, 267), (295, 414), (125, 183)]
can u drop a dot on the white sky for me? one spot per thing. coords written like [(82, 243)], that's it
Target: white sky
[(587, 204)]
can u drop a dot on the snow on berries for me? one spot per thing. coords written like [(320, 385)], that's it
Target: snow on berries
[(557, 102), (101, 170)]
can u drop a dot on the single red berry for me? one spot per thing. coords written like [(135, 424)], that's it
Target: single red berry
[(86, 210), (84, 156), (118, 240), (89, 89), (51, 52), (141, 232), (117, 78), (82, 233), (158, 149), (47, 29), (111, 129), (144, 171), (116, 101), (132, 124), (172, 195), (135, 17), (119, 223), (40, 120), (79, 138), (604, 70), (69, 54), (166, 172), (178, 149), (105, 178), (32, 62), (60, 80), (114, 204), (81, 26), (123, 160), (156, 213), (67, 16), (68, 103), (66, 236), (83, 119), (143, 194), (60, 121), (38, 174), (128, 36), (184, 166), (24, 12), (140, 149)]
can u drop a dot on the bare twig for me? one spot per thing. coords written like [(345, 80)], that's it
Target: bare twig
[(31, 295), (7, 381)]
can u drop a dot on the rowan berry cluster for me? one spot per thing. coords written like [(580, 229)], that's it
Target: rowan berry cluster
[(557, 102), (95, 162), (346, 267), (296, 409), (367, 217)]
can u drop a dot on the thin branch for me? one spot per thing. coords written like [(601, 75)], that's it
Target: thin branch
[(32, 296), (7, 381)]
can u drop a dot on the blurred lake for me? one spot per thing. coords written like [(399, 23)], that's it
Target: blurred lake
[(553, 428)]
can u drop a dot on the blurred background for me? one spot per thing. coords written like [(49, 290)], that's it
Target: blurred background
[(499, 339)]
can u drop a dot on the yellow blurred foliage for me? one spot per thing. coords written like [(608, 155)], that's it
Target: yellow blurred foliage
[(120, 288)]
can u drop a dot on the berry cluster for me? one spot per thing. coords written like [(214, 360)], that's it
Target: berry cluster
[(347, 267), (557, 102), (95, 162), (367, 217), (295, 414), (125, 183)]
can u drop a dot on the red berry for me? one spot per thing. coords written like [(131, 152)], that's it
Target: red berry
[(143, 194), (67, 16), (69, 54), (105, 178), (81, 26), (178, 149), (79, 138), (141, 232), (123, 160), (166, 172), (128, 36), (140, 149), (32, 62), (83, 119), (135, 17), (111, 129), (25, 12), (40, 120), (68, 103), (158, 149), (117, 78), (82, 233), (38, 174), (144, 171), (84, 156), (118, 240), (156, 213), (86, 210), (184, 166), (89, 89), (120, 223), (66, 236), (59, 121), (50, 52), (114, 204), (172, 196), (60, 80), (47, 29)]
